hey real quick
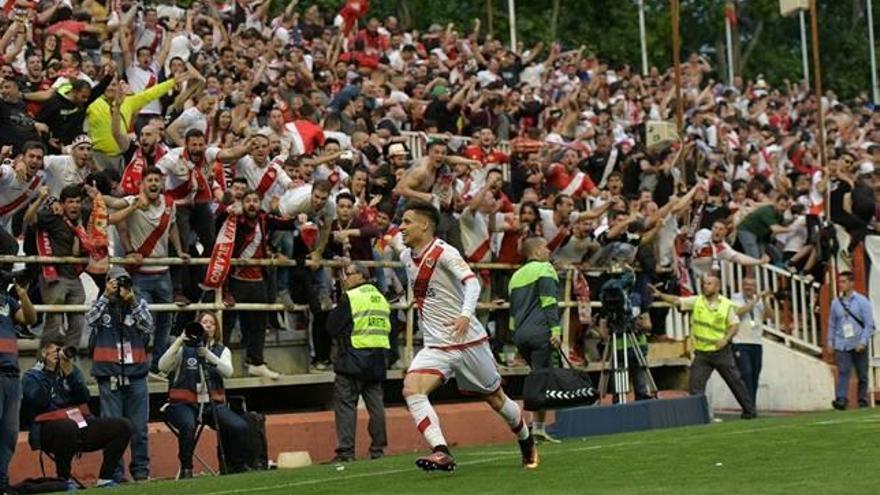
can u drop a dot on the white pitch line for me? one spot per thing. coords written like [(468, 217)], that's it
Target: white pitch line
[(505, 455)]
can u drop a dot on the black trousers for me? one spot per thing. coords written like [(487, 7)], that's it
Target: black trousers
[(252, 323), (63, 438), (303, 290), (345, 394), (722, 361)]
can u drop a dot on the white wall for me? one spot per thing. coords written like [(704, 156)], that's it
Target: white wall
[(790, 381)]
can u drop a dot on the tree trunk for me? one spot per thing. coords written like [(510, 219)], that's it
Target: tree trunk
[(756, 38), (554, 20)]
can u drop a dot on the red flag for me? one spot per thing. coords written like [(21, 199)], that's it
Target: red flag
[(582, 293), (351, 12), (96, 230), (221, 255), (730, 13)]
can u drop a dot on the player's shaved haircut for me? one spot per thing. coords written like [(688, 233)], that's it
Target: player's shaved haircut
[(425, 210)]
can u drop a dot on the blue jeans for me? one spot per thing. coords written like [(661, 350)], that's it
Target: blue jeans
[(749, 360), (156, 288), (283, 242), (846, 361), (131, 402), (750, 244), (233, 432), (10, 402)]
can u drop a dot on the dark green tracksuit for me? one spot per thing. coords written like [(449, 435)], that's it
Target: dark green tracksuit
[(534, 311)]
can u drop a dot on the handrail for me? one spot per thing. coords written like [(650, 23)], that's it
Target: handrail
[(804, 332)]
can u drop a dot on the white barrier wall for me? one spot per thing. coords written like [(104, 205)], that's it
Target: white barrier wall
[(790, 381)]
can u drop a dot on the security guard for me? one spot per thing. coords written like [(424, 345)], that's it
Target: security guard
[(713, 324), (361, 323), (534, 315)]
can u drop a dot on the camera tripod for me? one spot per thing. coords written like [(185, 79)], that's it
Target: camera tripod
[(620, 367), (205, 377)]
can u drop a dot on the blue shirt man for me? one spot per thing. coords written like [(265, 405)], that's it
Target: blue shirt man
[(850, 327)]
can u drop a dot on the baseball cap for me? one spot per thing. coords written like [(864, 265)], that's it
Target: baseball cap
[(396, 149)]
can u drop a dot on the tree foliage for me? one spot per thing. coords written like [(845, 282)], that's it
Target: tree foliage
[(768, 43)]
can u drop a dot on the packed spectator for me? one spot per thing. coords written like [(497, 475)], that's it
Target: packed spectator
[(299, 128)]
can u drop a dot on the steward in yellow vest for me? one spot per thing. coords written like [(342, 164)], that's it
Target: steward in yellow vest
[(361, 325), (714, 322)]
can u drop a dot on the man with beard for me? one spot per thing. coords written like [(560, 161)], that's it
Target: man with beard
[(246, 283), (59, 233), (149, 227), (556, 224), (140, 155), (186, 182), (72, 169), (20, 183)]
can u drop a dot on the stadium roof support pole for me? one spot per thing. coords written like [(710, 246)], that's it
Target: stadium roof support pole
[(823, 158), (643, 37), (511, 9), (676, 61), (875, 89), (805, 55), (729, 13)]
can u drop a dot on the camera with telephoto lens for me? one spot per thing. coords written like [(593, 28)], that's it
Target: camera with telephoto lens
[(69, 352), (194, 333), (616, 306)]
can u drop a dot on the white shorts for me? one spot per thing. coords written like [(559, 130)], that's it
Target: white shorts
[(473, 367)]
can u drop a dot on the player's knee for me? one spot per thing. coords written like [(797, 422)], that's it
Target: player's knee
[(496, 399)]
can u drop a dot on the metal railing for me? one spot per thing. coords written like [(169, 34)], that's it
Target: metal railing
[(803, 333), (794, 305)]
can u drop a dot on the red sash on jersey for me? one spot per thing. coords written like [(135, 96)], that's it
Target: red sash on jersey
[(218, 171), (557, 241), (252, 248), (423, 278), (266, 182), (133, 174), (146, 248), (221, 255), (10, 207), (203, 193), (477, 257)]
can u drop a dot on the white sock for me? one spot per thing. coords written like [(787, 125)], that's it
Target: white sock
[(511, 413), (426, 419), (537, 426)]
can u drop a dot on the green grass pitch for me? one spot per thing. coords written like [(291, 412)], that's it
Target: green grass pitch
[(823, 453)]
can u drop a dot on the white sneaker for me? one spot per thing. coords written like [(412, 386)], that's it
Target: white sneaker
[(284, 298), (263, 371)]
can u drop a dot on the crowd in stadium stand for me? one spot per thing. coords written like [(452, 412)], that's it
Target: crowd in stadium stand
[(314, 111)]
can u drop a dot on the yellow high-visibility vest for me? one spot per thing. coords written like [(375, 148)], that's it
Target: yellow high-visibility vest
[(370, 313), (708, 326)]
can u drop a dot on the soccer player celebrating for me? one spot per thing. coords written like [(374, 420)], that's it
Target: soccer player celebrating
[(456, 344)]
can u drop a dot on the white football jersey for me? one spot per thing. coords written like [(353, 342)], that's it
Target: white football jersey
[(443, 289)]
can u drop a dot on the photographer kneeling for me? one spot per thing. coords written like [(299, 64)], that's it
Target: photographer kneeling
[(196, 362), (55, 393)]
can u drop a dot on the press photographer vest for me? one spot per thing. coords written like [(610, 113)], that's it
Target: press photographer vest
[(114, 354), (185, 381), (370, 314), (709, 326)]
